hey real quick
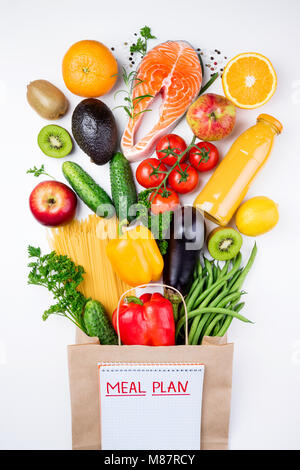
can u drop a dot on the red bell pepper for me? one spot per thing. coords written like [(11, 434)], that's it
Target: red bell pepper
[(147, 320)]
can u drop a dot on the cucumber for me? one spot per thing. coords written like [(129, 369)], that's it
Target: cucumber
[(98, 324), (86, 188), (123, 189)]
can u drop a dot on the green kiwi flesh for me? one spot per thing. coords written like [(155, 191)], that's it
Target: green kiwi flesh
[(224, 243), (55, 141)]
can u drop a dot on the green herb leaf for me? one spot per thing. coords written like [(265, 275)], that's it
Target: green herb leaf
[(38, 171), (61, 277), (145, 32), (33, 252), (163, 246), (141, 44), (131, 81), (140, 47)]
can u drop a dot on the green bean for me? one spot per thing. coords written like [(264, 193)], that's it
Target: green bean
[(209, 272), (210, 292), (212, 324), (234, 278), (239, 282), (204, 272), (193, 328), (196, 336), (218, 287), (233, 298), (204, 310), (181, 322), (215, 273), (222, 302), (224, 270), (224, 292), (209, 317), (217, 327), (228, 320), (195, 282), (221, 280), (196, 292), (195, 273), (204, 303), (200, 269)]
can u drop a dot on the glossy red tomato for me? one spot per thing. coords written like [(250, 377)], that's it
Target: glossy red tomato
[(149, 172), (170, 142), (204, 156), (183, 179), (164, 200)]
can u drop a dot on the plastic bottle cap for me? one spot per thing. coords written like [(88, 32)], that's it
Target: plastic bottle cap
[(267, 117)]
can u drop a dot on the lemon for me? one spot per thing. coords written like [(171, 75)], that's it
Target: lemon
[(256, 216)]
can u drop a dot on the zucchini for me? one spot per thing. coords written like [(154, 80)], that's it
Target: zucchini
[(123, 188), (86, 188), (98, 324)]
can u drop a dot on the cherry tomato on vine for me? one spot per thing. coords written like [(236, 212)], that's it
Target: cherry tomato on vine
[(170, 142), (204, 156), (183, 179), (149, 173), (164, 200)]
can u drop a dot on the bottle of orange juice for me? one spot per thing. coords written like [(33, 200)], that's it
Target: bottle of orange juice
[(229, 184)]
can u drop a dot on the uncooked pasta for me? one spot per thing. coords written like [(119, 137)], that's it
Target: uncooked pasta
[(85, 243)]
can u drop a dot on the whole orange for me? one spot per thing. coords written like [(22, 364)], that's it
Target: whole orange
[(89, 69)]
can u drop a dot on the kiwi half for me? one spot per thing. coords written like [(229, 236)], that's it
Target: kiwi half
[(224, 243), (55, 141)]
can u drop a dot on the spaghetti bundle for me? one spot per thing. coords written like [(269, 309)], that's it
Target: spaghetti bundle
[(85, 243)]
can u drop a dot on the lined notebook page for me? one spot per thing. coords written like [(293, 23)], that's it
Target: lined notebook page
[(150, 406)]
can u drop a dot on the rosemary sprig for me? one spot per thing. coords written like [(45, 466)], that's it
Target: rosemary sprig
[(131, 81)]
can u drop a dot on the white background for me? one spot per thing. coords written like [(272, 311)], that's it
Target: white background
[(34, 394)]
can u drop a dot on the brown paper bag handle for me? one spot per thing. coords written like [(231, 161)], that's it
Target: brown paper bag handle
[(154, 285)]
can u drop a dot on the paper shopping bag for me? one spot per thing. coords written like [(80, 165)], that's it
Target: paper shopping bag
[(215, 354)]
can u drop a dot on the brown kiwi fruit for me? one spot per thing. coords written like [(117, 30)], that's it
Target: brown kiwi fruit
[(46, 99)]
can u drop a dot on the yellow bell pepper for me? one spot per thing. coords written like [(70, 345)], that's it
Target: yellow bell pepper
[(135, 256)]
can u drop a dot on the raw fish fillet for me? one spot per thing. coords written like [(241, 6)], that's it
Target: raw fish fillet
[(172, 69)]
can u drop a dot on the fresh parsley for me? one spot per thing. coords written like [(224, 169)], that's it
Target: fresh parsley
[(38, 171), (141, 45), (61, 277)]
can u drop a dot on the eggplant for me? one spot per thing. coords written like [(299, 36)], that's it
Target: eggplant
[(187, 236)]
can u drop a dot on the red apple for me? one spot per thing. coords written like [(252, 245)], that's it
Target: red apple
[(211, 117), (53, 203)]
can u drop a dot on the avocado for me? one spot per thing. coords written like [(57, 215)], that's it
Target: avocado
[(94, 129)]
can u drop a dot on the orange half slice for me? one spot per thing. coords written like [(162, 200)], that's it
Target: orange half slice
[(249, 80)]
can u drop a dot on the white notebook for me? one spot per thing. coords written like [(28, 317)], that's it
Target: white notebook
[(150, 406)]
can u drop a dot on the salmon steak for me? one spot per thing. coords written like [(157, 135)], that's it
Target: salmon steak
[(171, 69)]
